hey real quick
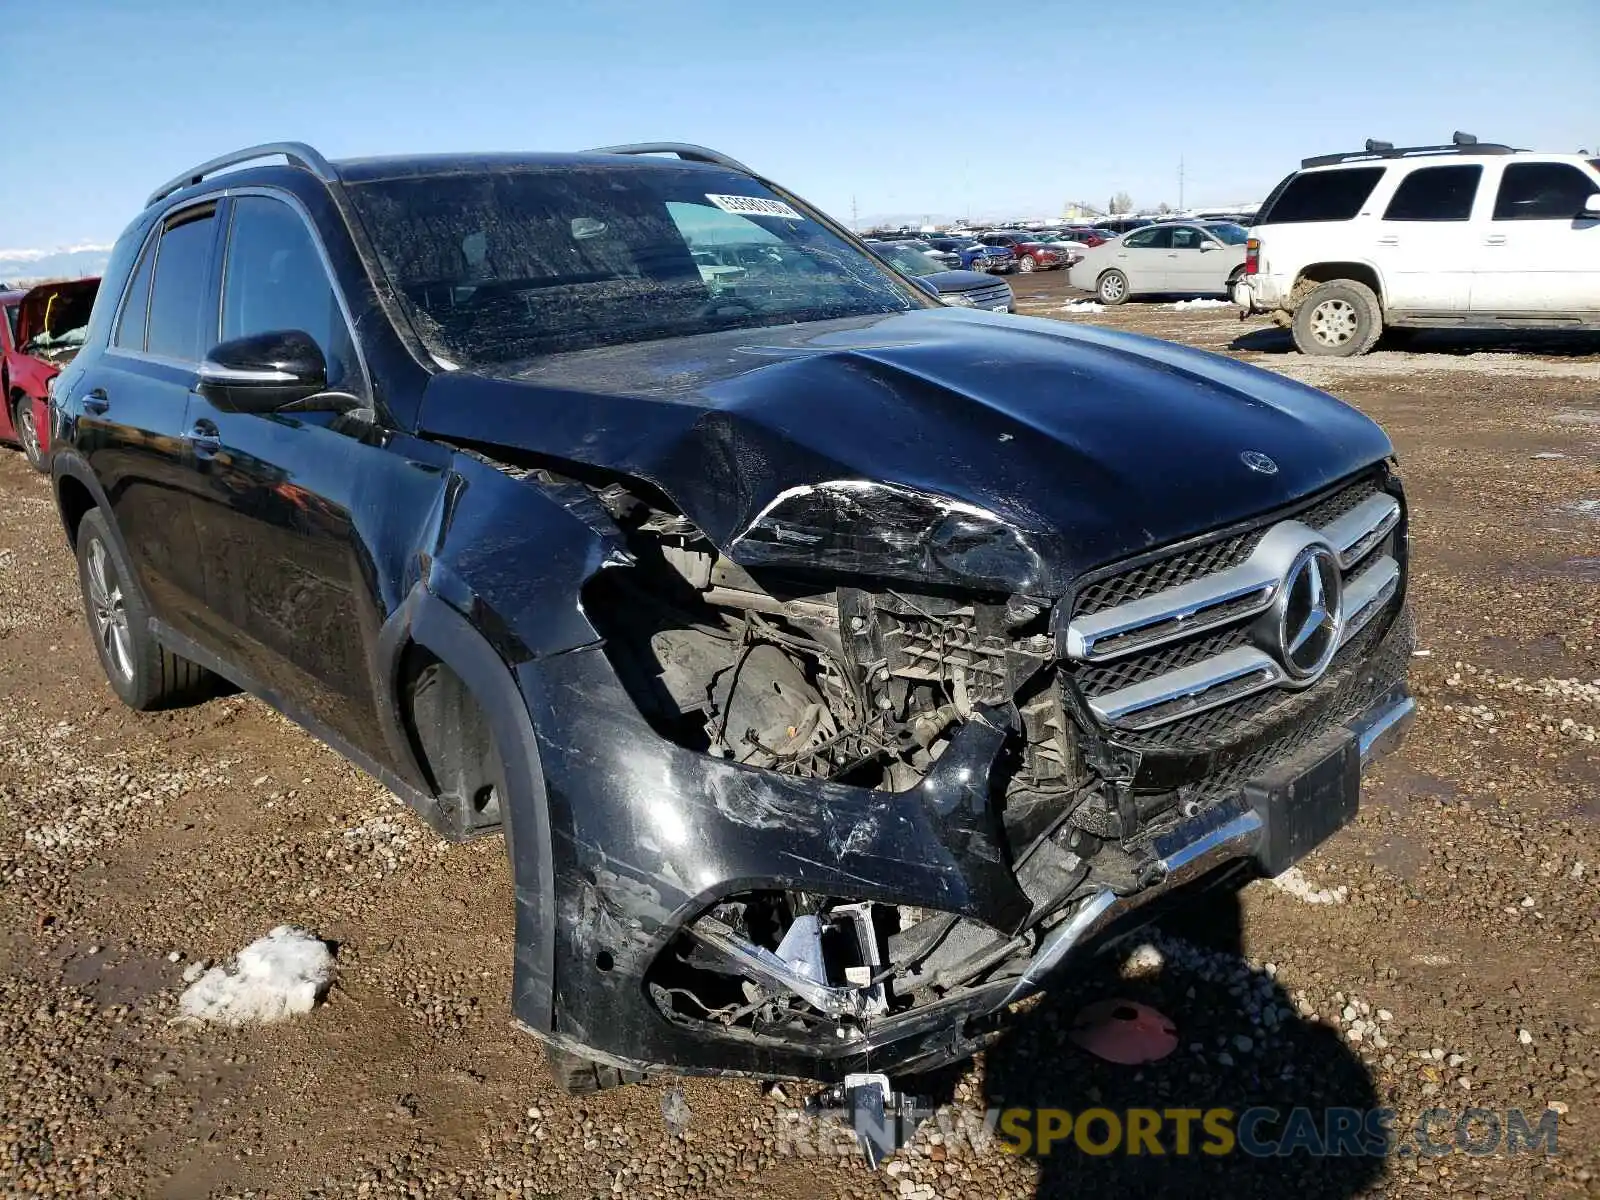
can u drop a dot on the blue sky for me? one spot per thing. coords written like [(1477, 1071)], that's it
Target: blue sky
[(933, 107)]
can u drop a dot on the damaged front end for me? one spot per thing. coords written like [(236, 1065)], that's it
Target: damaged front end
[(870, 816)]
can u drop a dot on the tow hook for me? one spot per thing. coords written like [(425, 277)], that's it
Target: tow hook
[(883, 1119)]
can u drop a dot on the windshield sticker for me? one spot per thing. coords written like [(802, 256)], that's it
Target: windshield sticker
[(755, 206)]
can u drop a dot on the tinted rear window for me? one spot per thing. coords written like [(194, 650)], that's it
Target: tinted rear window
[(130, 326), (1542, 192), (1321, 196), (1435, 194), (181, 289)]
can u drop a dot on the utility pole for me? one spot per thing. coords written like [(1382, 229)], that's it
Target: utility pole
[(1180, 183), (855, 215)]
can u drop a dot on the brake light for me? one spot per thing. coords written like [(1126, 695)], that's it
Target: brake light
[(1252, 256)]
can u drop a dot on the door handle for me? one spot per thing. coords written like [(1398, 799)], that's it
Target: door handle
[(97, 401), (1390, 240), (1495, 239), (205, 438)]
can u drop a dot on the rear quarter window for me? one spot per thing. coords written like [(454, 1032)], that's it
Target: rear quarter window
[(1321, 196)]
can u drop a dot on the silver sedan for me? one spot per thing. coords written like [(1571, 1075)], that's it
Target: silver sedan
[(1191, 258)]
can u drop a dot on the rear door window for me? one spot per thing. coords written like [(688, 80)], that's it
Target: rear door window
[(1322, 196), (136, 308), (181, 290), (1435, 194), (1542, 191)]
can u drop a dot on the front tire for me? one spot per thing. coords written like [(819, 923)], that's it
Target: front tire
[(1028, 265), (27, 430), (1113, 288), (143, 673), (1339, 319)]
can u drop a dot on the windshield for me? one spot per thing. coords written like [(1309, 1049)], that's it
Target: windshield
[(495, 267), (909, 260), (1228, 233)]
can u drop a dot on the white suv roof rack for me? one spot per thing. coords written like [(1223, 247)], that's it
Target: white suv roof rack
[(1460, 143)]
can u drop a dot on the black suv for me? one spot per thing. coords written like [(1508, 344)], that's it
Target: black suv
[(836, 663)]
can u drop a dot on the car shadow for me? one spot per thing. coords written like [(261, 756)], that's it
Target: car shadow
[(1226, 1058), (1544, 343)]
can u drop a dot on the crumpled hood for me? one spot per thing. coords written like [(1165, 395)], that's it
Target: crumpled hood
[(1090, 445)]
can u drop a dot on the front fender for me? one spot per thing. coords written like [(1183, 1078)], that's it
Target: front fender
[(427, 621)]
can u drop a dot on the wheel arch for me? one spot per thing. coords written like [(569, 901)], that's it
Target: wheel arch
[(424, 631), (78, 493), (1327, 272)]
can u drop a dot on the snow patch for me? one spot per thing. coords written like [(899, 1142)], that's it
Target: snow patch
[(1201, 302), (281, 975), (1297, 884), (1083, 306)]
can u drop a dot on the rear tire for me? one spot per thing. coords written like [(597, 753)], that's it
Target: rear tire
[(1338, 319), (1028, 264), (1112, 288), (579, 1076), (144, 674), (27, 430)]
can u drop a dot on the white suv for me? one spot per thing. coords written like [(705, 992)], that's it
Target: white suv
[(1464, 236)]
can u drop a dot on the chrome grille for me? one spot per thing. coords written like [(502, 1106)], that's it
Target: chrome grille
[(987, 297), (1182, 657), (1212, 557)]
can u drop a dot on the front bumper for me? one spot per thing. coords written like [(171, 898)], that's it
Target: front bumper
[(668, 834)]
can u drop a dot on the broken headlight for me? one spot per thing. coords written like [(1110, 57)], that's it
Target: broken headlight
[(856, 526)]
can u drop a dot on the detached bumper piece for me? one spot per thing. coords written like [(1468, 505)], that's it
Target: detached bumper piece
[(882, 1118)]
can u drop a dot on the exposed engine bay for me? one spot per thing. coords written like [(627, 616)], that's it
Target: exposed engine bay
[(867, 688)]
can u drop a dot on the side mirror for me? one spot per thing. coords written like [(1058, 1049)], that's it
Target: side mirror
[(263, 372), (924, 285), (1591, 206)]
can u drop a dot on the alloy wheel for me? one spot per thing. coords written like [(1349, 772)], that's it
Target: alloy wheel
[(27, 434), (1334, 322), (109, 613)]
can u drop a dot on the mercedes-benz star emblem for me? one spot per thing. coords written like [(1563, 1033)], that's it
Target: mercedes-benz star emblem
[(1258, 461), (1309, 616)]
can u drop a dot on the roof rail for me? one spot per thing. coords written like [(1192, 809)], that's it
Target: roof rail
[(683, 150), (1460, 143), (298, 153)]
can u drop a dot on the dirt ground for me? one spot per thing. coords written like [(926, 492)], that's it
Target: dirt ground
[(1441, 953)]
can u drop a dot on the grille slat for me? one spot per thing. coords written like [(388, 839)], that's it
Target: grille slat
[(1212, 557), (1233, 717)]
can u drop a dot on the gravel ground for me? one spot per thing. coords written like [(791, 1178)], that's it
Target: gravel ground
[(1441, 952)]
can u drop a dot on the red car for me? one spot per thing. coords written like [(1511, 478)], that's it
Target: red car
[(1032, 254), (42, 329), (1088, 235)]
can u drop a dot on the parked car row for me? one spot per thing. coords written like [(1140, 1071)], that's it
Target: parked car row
[(930, 268), (1195, 258), (1009, 249)]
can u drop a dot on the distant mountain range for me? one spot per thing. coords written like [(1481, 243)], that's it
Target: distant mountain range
[(68, 262)]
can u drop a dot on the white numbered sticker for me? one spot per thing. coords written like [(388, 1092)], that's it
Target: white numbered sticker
[(755, 206)]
